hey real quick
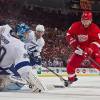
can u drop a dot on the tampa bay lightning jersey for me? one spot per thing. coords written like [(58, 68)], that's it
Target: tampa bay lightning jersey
[(12, 52), (34, 45)]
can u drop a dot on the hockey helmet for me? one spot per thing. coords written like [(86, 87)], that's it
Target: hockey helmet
[(87, 15), (21, 29), (40, 28), (86, 18)]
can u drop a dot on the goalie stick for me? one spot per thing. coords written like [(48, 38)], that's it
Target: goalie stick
[(24, 82)]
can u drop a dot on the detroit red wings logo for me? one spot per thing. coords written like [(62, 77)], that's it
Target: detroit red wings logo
[(82, 38)]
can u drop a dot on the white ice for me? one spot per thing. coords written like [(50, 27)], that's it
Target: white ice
[(86, 88)]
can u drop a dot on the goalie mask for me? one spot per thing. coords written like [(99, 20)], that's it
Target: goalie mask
[(21, 29)]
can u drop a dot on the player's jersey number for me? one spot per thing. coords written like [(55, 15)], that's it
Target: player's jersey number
[(2, 53)]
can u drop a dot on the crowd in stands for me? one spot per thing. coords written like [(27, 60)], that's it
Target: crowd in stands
[(56, 50)]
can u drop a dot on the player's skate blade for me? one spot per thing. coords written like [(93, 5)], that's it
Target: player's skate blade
[(68, 83)]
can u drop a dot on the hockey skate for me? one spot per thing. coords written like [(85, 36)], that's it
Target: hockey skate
[(68, 82)]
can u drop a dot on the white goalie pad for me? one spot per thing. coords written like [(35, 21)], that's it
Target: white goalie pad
[(15, 79), (31, 79), (4, 81), (36, 84)]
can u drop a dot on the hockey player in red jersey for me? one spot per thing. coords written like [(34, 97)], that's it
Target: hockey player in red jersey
[(84, 37)]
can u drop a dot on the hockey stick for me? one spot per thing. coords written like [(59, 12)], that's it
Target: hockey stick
[(92, 60), (23, 82), (59, 76)]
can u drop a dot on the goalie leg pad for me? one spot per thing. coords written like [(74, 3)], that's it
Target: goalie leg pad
[(4, 81), (32, 80), (37, 86)]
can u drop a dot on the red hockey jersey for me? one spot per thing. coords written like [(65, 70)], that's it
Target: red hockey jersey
[(83, 36)]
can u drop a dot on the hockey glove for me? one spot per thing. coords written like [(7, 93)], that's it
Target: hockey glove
[(88, 52), (72, 41), (79, 51)]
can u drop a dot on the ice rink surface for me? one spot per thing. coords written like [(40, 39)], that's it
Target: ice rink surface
[(86, 88)]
